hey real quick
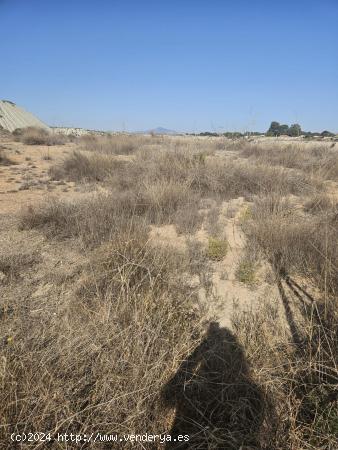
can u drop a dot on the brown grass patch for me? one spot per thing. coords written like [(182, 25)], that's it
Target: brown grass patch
[(4, 159), (319, 161), (296, 243), (105, 357), (38, 136), (300, 380)]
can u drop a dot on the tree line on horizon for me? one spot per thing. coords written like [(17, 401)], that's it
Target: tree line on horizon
[(276, 129), (294, 130)]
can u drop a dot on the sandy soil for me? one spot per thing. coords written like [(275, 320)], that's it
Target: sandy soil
[(27, 180), (228, 294)]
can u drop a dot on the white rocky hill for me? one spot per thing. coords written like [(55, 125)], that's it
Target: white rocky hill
[(13, 117)]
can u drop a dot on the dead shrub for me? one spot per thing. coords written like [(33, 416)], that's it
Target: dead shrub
[(130, 264), (321, 203), (232, 179), (188, 219), (38, 136), (163, 200), (4, 159), (94, 219), (111, 144), (300, 380), (212, 177), (98, 217), (213, 225), (13, 264), (198, 174), (54, 214), (57, 139), (85, 167), (103, 363), (294, 243), (319, 161)]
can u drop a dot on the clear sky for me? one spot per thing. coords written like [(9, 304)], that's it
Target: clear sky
[(187, 65)]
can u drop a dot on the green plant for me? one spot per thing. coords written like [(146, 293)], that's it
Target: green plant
[(246, 272), (217, 249), (245, 215)]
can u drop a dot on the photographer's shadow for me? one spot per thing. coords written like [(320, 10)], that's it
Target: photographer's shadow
[(217, 404)]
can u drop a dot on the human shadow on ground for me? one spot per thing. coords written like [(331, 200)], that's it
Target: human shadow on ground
[(217, 404), (315, 379)]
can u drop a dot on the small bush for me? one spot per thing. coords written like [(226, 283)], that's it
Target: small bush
[(94, 220), (299, 379), (217, 249), (104, 359), (294, 243), (85, 167), (321, 203), (110, 144), (164, 200), (213, 225), (321, 161), (38, 136), (13, 263), (246, 272), (4, 160), (132, 264), (188, 219)]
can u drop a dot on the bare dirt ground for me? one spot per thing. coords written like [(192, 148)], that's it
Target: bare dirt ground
[(27, 181)]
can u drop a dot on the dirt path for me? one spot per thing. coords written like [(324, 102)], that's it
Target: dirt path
[(228, 294)]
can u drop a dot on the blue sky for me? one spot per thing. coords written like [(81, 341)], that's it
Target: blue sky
[(188, 65)]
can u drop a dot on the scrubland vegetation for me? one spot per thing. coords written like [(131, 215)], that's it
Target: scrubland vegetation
[(38, 136), (4, 159), (119, 339)]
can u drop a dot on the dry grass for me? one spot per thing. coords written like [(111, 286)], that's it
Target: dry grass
[(113, 211), (118, 344), (300, 381), (93, 220), (321, 161), (38, 136), (296, 243), (321, 203), (114, 144), (12, 264), (203, 174), (4, 159), (84, 167), (104, 357)]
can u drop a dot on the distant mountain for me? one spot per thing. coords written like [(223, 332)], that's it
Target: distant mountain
[(161, 130)]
